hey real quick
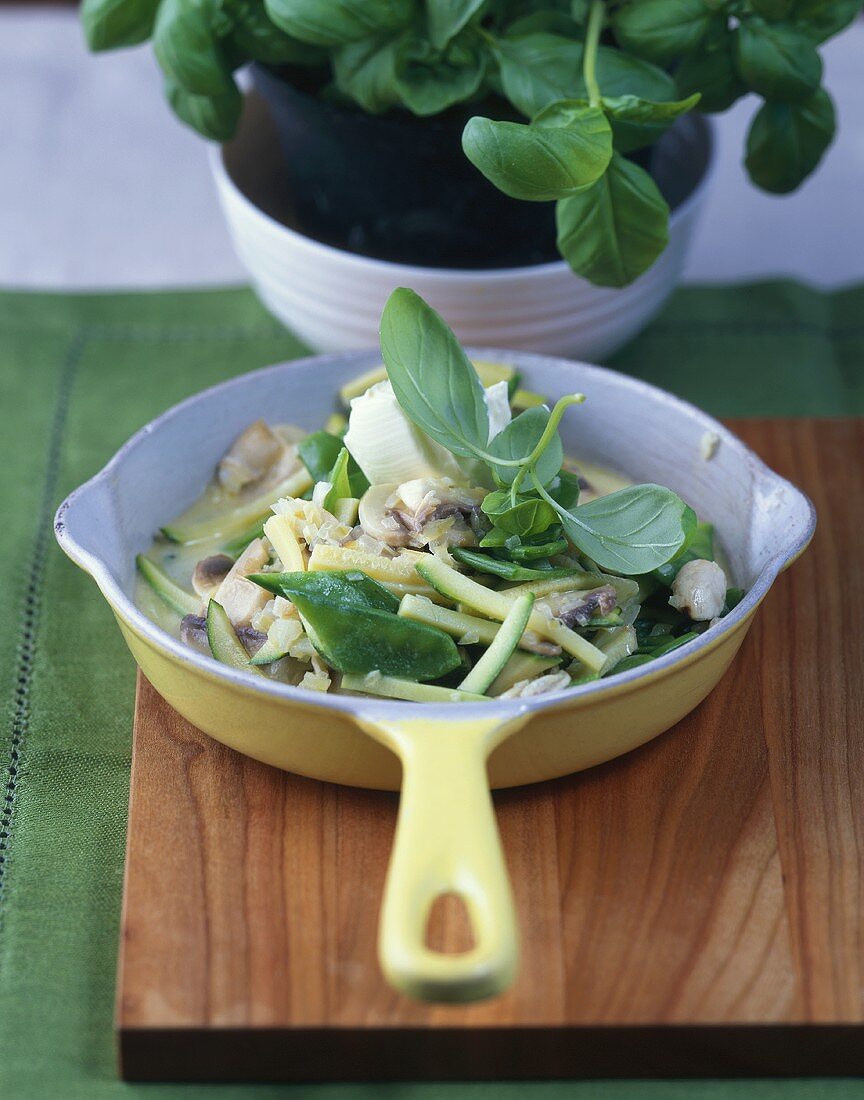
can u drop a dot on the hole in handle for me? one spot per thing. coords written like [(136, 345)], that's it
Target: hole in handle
[(448, 927)]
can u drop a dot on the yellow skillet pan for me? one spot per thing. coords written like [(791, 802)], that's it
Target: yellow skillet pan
[(444, 758)]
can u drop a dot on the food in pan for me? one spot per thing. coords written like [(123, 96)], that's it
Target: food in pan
[(432, 542)]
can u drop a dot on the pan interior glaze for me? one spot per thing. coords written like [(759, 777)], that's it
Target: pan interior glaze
[(447, 839)]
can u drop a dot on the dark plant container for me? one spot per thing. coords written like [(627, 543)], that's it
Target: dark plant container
[(396, 187)]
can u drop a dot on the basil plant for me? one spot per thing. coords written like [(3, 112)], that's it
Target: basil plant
[(593, 80)]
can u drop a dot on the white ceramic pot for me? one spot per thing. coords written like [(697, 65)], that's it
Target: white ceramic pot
[(333, 299)]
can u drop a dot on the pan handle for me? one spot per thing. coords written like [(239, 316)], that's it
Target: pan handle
[(446, 842)]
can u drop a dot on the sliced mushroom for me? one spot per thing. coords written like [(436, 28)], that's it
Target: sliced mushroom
[(252, 639), (210, 573), (241, 598), (193, 632), (699, 590), (578, 608), (421, 511), (250, 456)]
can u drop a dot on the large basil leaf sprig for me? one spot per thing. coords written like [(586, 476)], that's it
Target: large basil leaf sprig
[(630, 532), (585, 83)]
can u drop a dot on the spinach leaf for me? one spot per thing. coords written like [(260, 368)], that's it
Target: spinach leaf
[(432, 377), (366, 72), (510, 571), (822, 19), (111, 23), (215, 117), (340, 485), (613, 231), (445, 18), (429, 80), (565, 148), (530, 515), (661, 30), (187, 49), (644, 121), (777, 60), (786, 141), (335, 22), (700, 545), (519, 438), (319, 453), (633, 531)]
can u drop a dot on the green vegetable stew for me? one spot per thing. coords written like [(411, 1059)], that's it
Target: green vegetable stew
[(432, 542)]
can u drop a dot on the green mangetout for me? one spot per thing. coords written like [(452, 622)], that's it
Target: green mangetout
[(595, 81)]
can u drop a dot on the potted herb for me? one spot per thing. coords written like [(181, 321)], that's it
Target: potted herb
[(487, 134)]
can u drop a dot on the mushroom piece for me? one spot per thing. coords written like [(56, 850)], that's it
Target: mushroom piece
[(421, 511), (543, 685), (699, 590), (578, 608), (210, 573), (193, 632), (251, 455)]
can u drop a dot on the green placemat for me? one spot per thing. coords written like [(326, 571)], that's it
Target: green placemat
[(78, 374)]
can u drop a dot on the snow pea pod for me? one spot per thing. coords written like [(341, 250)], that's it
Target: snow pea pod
[(510, 571), (342, 588), (351, 622)]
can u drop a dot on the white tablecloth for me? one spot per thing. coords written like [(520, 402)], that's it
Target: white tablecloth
[(101, 187)]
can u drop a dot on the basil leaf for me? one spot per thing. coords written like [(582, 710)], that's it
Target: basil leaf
[(646, 120), (711, 72), (432, 377), (509, 570), (559, 153), (772, 9), (566, 492), (612, 232), (822, 19), (335, 22), (187, 49), (215, 117), (632, 531), (777, 60), (111, 23), (529, 516), (786, 142), (446, 18), (661, 30), (255, 36), (538, 68), (429, 81), (619, 74), (366, 71), (519, 438), (552, 21)]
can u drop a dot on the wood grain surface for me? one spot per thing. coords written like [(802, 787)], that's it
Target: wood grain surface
[(694, 907)]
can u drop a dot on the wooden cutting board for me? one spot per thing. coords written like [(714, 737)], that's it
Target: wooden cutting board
[(692, 908)]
